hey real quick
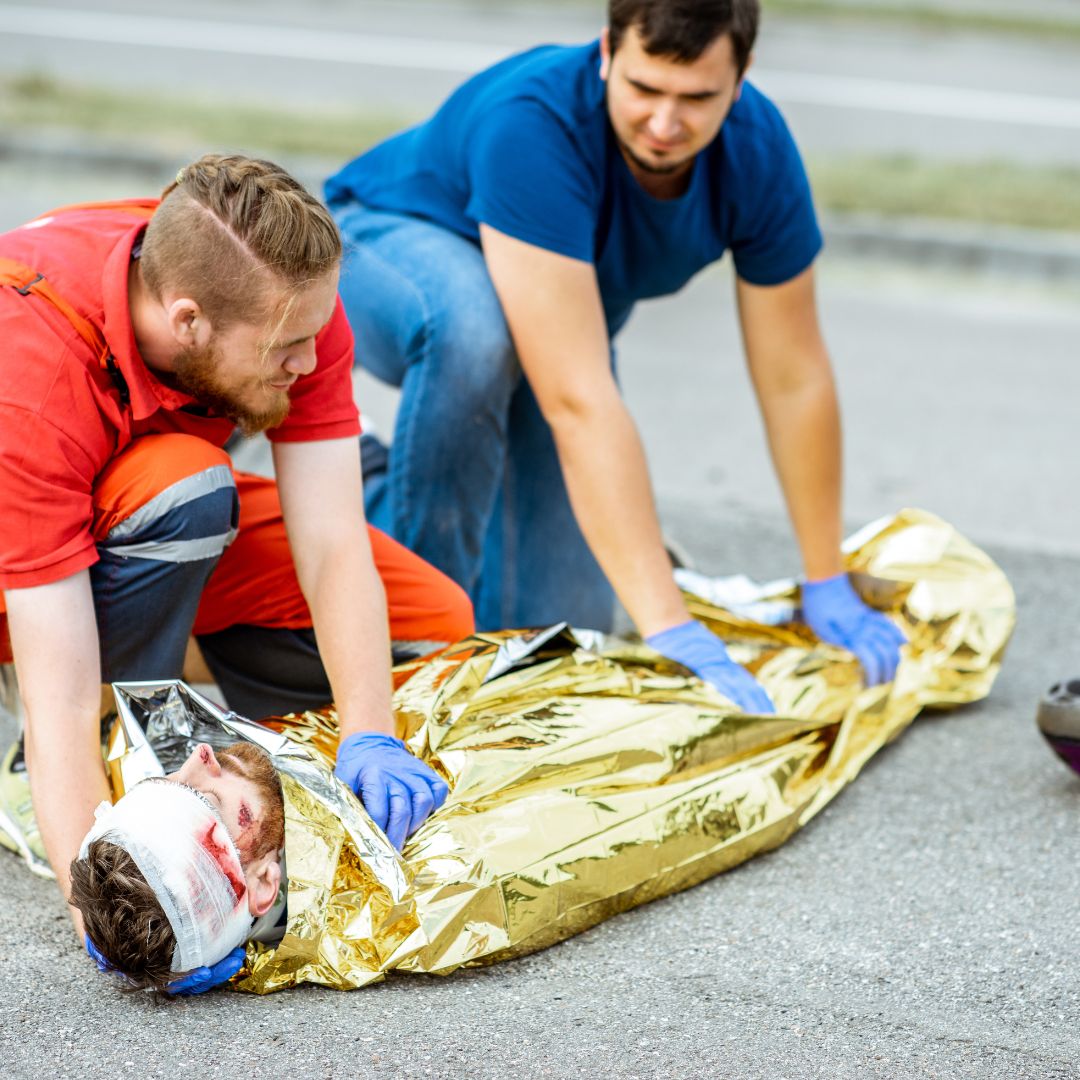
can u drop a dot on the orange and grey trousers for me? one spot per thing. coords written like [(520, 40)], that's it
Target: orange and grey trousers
[(189, 547)]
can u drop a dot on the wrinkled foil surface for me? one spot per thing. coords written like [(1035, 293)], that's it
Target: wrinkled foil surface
[(588, 774)]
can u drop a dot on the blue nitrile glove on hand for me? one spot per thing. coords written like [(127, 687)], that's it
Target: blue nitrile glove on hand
[(194, 982), (206, 978), (103, 965), (397, 789), (691, 645), (834, 611)]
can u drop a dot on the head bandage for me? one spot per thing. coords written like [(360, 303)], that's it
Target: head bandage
[(184, 851)]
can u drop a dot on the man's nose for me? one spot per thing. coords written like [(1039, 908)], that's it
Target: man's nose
[(302, 359), (664, 124), (207, 759)]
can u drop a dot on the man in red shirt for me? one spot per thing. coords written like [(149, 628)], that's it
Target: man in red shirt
[(135, 338)]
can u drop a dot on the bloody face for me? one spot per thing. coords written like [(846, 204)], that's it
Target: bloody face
[(254, 766), (242, 785)]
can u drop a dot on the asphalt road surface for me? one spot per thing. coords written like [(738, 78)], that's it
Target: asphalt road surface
[(845, 89), (922, 926)]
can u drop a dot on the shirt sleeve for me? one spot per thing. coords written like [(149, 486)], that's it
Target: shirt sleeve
[(322, 405), (531, 179), (775, 234), (47, 485)]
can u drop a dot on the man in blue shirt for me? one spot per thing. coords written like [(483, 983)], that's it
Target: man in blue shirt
[(495, 251)]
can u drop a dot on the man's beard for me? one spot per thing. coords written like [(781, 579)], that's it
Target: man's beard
[(196, 374), (666, 168), (651, 167), (255, 765)]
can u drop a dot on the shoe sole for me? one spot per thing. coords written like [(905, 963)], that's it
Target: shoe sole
[(18, 829)]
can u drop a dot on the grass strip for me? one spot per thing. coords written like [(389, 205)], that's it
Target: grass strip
[(918, 16), (157, 121), (982, 192), (1001, 193)]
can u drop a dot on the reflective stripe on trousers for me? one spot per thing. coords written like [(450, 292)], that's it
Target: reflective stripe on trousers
[(165, 511)]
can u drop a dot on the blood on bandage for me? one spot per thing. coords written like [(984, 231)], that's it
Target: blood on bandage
[(222, 855), (184, 851)]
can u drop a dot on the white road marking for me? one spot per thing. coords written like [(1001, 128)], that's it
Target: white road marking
[(465, 57), (919, 99), (248, 39)]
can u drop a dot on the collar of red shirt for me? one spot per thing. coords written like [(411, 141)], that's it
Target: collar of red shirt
[(148, 394)]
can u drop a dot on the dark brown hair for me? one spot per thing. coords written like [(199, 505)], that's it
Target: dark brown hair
[(121, 913), (228, 229), (122, 916), (684, 29)]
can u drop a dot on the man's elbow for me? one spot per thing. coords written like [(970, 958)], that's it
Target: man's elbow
[(809, 376), (571, 410)]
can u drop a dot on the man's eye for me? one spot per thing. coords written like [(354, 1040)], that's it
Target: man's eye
[(201, 794)]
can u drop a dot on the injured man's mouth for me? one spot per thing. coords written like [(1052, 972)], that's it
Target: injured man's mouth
[(175, 874)]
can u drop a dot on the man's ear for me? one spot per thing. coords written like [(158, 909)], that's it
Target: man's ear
[(605, 53), (263, 879), (189, 325), (742, 78)]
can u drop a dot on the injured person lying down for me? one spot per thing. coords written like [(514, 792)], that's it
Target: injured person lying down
[(588, 775), (185, 868)]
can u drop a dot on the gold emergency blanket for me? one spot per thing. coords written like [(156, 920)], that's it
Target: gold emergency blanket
[(589, 775)]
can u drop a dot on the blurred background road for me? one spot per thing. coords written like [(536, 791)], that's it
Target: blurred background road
[(925, 925), (895, 88)]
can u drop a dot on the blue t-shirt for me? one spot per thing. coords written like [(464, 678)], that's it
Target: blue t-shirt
[(526, 147)]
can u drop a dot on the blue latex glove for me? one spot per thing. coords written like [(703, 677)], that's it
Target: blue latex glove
[(194, 982), (103, 965), (397, 789), (833, 610), (206, 978), (691, 645)]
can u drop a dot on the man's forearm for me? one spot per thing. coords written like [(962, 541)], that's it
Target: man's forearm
[(67, 782), (54, 638), (803, 426), (789, 364), (348, 608), (321, 497), (555, 313), (607, 479)]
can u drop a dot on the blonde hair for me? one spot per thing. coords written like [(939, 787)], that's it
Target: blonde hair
[(229, 229)]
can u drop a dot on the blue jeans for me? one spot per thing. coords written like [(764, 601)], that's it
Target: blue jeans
[(473, 484)]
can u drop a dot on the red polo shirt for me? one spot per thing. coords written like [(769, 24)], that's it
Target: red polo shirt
[(61, 416)]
